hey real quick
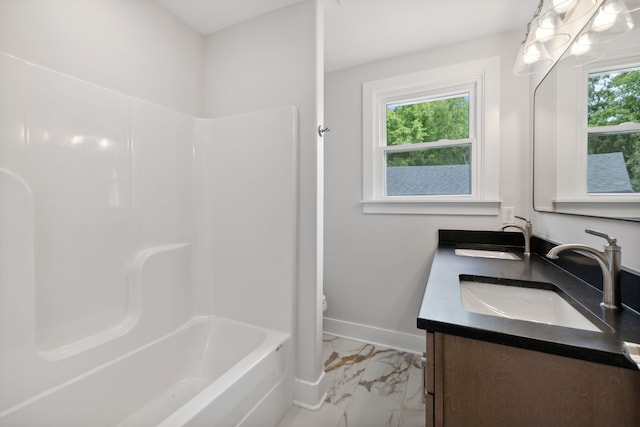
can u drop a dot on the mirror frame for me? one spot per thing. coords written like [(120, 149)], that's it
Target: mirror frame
[(538, 79)]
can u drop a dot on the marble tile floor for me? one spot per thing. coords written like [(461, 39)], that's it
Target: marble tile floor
[(367, 386)]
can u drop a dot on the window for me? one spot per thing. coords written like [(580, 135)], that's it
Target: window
[(430, 141), (613, 136)]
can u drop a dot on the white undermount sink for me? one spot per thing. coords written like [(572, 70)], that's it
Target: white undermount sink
[(482, 253), (524, 303)]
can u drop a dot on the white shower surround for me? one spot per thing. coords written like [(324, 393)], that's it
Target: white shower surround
[(112, 211)]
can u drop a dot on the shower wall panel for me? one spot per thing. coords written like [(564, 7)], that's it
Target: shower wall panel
[(96, 226), (80, 174), (12, 144), (163, 158), (252, 186)]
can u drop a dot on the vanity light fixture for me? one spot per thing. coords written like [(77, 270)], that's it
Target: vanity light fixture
[(547, 25), (611, 21), (534, 52), (607, 15), (582, 45), (533, 55), (532, 58), (582, 51), (550, 30)]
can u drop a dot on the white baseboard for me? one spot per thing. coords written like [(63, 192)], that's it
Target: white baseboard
[(383, 337), (309, 395)]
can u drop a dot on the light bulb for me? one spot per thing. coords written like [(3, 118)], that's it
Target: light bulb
[(603, 21), (544, 33), (532, 58), (607, 15), (614, 7), (531, 53), (582, 45)]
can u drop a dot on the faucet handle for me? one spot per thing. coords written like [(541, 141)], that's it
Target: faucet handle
[(524, 219), (528, 226), (610, 240)]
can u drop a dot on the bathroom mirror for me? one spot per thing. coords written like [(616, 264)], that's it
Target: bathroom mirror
[(586, 133)]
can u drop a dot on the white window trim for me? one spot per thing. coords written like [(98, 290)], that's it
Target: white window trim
[(571, 172), (482, 76)]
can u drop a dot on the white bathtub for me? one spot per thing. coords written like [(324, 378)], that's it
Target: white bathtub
[(209, 372)]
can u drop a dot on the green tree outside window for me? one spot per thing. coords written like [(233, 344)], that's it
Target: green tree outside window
[(433, 120), (614, 98)]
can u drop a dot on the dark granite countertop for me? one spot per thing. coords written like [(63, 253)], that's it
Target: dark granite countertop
[(442, 310)]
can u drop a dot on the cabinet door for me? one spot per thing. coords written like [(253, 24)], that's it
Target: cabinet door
[(493, 385), (433, 380), (429, 389)]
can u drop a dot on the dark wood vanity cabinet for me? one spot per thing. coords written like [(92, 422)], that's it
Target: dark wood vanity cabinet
[(470, 382)]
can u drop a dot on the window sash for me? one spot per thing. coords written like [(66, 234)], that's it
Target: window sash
[(459, 186), (443, 94), (628, 127), (407, 148), (428, 96), (426, 145)]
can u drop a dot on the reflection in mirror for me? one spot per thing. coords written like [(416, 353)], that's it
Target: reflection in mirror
[(587, 120)]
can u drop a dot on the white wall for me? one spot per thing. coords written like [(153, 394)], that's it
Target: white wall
[(271, 61), (134, 47), (376, 266)]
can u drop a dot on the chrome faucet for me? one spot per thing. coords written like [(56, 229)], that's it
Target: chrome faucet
[(609, 260), (527, 231)]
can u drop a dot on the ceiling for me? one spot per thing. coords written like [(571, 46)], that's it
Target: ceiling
[(361, 31)]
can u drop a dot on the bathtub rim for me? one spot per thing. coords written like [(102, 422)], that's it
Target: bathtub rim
[(272, 340)]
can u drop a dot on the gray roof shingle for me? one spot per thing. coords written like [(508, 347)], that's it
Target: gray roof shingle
[(428, 180), (607, 173)]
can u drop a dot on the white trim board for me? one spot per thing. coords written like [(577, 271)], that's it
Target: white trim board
[(310, 395), (374, 335)]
